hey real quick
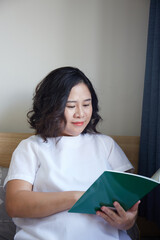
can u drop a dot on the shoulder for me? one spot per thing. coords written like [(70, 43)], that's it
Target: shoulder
[(33, 142), (103, 137), (100, 139)]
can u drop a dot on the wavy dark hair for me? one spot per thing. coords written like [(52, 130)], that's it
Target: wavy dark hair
[(50, 99)]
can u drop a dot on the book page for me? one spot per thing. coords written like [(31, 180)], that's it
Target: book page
[(156, 176)]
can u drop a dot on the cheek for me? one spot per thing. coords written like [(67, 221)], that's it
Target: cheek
[(89, 113), (68, 114)]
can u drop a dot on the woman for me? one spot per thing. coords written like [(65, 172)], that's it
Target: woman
[(51, 170)]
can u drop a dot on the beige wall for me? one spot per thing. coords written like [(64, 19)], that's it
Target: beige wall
[(104, 38)]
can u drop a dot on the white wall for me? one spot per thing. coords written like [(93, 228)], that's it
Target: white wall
[(104, 38)]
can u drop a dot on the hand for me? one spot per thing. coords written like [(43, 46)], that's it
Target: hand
[(120, 218)]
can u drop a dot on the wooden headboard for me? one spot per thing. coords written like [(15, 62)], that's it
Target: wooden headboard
[(130, 146), (9, 141)]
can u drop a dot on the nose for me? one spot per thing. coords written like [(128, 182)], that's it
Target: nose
[(79, 113)]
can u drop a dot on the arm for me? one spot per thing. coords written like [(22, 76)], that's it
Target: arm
[(21, 201), (120, 218)]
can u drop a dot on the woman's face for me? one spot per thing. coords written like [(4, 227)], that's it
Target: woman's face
[(78, 110)]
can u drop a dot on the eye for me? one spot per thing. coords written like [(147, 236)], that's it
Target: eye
[(86, 105), (70, 106)]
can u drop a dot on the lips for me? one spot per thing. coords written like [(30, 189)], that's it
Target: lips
[(78, 123)]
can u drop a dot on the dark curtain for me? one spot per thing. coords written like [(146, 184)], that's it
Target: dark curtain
[(149, 158)]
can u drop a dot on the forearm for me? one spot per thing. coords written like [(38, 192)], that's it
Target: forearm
[(38, 204), (29, 204)]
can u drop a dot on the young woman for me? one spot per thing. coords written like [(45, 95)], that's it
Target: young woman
[(51, 170)]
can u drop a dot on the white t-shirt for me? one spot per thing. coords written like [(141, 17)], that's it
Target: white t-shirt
[(69, 164)]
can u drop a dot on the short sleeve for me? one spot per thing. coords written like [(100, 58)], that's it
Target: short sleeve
[(116, 157), (24, 163)]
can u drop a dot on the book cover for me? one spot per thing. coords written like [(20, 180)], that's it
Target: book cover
[(126, 188)]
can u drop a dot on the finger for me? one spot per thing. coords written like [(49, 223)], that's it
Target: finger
[(121, 212), (135, 206), (105, 217), (112, 214)]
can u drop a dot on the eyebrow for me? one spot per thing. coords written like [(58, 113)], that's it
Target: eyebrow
[(86, 100)]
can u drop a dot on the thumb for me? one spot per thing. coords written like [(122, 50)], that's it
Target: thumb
[(135, 206)]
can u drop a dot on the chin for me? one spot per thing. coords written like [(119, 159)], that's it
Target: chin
[(72, 134)]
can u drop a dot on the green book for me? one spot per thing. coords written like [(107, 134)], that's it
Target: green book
[(126, 188)]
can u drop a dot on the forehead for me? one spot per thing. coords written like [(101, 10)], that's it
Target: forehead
[(80, 90)]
